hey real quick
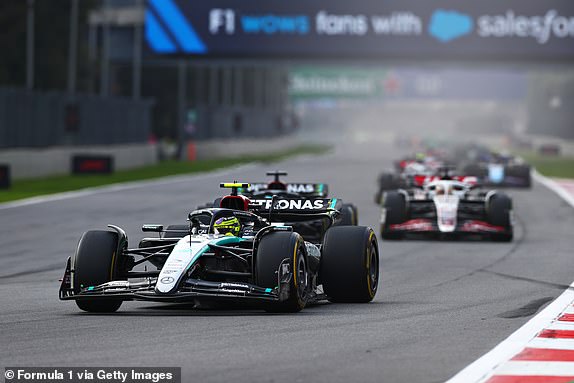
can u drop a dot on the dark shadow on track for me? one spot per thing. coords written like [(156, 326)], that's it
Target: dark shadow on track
[(527, 310)]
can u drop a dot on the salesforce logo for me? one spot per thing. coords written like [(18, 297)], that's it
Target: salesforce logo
[(447, 25), (542, 27)]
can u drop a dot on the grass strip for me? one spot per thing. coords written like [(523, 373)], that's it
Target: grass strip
[(558, 167), (26, 188)]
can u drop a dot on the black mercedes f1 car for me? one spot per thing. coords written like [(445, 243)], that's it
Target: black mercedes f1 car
[(264, 263), (312, 230)]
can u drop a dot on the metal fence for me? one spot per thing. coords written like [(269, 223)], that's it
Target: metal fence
[(41, 119)]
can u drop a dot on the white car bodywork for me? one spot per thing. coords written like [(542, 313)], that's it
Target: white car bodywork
[(446, 195)]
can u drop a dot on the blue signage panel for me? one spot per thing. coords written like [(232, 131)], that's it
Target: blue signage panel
[(363, 29)]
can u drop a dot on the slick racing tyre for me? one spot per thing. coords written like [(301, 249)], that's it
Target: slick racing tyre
[(387, 181), (355, 213), (523, 173), (349, 268), (273, 249), (348, 215), (395, 210), (95, 263), (498, 214)]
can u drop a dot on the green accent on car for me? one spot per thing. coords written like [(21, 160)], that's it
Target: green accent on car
[(227, 240), (218, 241), (333, 203), (90, 288), (268, 290)]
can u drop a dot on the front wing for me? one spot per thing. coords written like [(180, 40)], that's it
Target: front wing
[(429, 226), (189, 289)]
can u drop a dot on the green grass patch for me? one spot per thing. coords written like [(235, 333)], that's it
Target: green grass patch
[(559, 167), (26, 188)]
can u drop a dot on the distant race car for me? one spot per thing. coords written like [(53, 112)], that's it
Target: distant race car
[(446, 207), (495, 169), (405, 171), (502, 174), (238, 252), (301, 189), (309, 229)]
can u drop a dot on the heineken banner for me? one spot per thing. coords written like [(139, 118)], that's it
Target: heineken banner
[(336, 82), (362, 29), (348, 82)]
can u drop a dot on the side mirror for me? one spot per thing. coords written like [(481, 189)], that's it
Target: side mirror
[(152, 228)]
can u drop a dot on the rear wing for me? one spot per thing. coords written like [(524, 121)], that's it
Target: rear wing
[(422, 180), (295, 208), (304, 189)]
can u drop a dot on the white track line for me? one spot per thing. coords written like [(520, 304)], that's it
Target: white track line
[(484, 366), (552, 185), (122, 186), (498, 357), (560, 326), (552, 343), (536, 368)]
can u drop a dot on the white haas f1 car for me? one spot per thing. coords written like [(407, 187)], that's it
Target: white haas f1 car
[(446, 207), (239, 251)]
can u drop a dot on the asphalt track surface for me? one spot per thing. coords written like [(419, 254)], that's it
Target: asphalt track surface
[(440, 305)]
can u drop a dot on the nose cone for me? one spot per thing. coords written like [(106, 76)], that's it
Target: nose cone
[(446, 209)]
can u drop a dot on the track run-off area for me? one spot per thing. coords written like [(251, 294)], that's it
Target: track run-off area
[(440, 305)]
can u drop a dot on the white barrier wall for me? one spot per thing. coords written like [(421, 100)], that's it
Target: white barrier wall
[(29, 163)]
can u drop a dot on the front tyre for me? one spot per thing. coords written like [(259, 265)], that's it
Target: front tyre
[(498, 213), (95, 263), (395, 212), (350, 264), (272, 250)]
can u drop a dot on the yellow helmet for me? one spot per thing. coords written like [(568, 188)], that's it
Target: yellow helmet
[(228, 226)]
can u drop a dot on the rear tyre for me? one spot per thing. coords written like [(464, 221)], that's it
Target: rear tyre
[(523, 172), (95, 263), (356, 213), (395, 211), (387, 181), (498, 214), (349, 268), (348, 215), (273, 249)]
